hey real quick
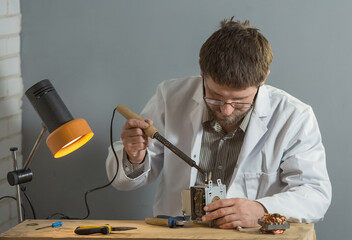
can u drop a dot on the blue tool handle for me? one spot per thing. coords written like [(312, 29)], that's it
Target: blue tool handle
[(171, 220), (56, 224), (179, 218)]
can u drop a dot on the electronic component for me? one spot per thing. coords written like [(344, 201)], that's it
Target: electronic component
[(273, 223), (195, 198)]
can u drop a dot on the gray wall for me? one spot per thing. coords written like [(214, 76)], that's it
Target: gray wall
[(102, 53)]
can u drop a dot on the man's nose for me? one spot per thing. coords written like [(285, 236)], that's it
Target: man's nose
[(227, 109)]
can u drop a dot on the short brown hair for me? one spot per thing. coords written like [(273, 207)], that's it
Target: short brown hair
[(236, 55)]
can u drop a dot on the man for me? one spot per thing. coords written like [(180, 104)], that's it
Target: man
[(262, 143)]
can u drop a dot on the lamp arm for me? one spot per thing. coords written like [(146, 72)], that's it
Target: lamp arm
[(35, 147)]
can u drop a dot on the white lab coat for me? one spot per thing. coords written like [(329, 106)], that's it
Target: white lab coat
[(281, 163)]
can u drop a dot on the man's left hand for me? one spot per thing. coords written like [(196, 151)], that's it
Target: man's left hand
[(234, 212)]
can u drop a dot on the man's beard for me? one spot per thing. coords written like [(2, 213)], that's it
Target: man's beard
[(232, 120)]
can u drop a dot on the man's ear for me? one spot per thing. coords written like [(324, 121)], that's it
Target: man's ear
[(267, 75)]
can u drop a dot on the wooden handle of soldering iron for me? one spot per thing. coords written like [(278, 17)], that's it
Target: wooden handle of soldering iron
[(128, 114), (157, 221)]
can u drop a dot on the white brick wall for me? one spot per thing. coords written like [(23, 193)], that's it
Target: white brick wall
[(11, 91)]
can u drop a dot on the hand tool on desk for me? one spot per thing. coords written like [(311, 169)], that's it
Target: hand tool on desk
[(54, 225), (104, 229), (168, 221), (152, 132)]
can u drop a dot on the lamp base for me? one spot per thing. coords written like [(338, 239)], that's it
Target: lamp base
[(19, 176)]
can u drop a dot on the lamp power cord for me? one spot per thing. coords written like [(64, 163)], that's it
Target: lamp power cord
[(117, 167)]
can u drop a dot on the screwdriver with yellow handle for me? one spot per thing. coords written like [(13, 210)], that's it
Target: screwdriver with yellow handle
[(104, 229)]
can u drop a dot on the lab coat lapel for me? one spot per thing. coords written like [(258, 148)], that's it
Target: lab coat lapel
[(196, 117), (196, 120), (257, 126)]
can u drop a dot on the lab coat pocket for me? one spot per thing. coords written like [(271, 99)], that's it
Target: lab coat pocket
[(260, 184)]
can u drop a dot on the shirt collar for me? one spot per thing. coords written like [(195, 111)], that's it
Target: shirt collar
[(243, 126)]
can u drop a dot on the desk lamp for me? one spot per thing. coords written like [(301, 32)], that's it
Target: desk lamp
[(66, 133)]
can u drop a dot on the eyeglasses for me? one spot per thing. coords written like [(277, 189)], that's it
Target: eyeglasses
[(235, 105)]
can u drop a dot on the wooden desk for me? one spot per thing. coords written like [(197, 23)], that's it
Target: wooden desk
[(145, 231)]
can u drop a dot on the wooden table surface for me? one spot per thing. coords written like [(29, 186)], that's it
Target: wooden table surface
[(26, 230)]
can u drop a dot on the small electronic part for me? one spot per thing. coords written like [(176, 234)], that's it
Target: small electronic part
[(273, 223), (197, 197)]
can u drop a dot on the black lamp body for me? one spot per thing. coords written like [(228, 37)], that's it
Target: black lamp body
[(48, 104)]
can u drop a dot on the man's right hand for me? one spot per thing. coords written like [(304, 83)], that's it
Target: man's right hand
[(134, 139)]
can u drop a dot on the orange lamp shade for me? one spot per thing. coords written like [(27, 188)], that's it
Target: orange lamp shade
[(69, 137)]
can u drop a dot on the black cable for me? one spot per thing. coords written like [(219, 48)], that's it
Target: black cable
[(24, 212), (117, 168), (24, 190), (1, 198), (62, 216)]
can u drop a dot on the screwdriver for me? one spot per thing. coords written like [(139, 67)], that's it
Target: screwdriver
[(54, 225), (164, 220), (104, 229)]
